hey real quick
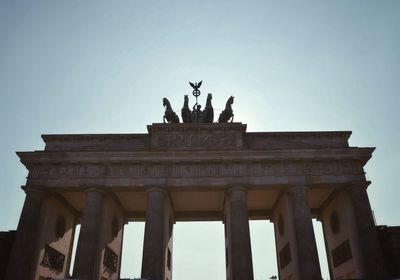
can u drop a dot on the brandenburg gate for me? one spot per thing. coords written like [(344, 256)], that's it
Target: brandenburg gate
[(195, 172)]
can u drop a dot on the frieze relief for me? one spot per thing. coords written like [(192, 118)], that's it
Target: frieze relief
[(183, 170), (226, 140)]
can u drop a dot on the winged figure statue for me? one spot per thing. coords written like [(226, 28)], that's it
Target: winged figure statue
[(195, 86)]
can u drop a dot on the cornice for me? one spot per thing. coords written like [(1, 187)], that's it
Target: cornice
[(48, 138), (300, 134), (195, 127), (38, 157)]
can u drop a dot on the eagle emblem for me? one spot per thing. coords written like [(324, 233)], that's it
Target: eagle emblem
[(195, 86)]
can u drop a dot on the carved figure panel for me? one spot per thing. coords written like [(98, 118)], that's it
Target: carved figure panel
[(53, 259), (196, 140), (110, 259)]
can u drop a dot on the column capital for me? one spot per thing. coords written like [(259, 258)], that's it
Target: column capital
[(97, 190), (236, 188), (151, 189), (294, 188)]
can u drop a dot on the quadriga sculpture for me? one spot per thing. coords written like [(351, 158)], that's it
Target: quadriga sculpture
[(185, 112), (227, 114), (208, 113), (169, 115)]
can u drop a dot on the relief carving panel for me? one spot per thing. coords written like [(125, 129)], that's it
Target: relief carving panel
[(188, 170), (182, 141), (53, 259), (110, 259)]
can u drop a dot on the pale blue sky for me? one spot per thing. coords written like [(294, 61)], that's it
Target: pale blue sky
[(104, 67)]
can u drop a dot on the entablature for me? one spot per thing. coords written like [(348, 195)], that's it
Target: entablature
[(196, 155)]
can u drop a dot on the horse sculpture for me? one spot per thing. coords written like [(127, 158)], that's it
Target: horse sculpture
[(227, 114), (208, 113), (169, 114), (185, 112)]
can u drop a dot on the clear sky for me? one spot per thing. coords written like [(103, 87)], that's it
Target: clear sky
[(104, 66)]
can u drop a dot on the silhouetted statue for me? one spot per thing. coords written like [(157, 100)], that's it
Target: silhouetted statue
[(208, 113), (227, 114), (197, 114), (186, 113), (169, 114)]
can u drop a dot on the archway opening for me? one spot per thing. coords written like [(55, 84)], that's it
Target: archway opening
[(263, 249), (132, 249), (198, 251), (320, 241), (75, 244)]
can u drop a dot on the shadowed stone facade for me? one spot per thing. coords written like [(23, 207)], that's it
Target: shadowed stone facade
[(195, 172)]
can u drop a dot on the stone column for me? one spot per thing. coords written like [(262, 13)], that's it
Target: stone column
[(155, 244), (87, 252), (370, 246), (23, 258), (239, 259), (307, 255)]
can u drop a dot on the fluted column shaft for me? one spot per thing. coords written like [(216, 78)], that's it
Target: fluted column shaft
[(153, 261), (367, 235), (87, 252), (23, 257), (308, 262), (239, 246)]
